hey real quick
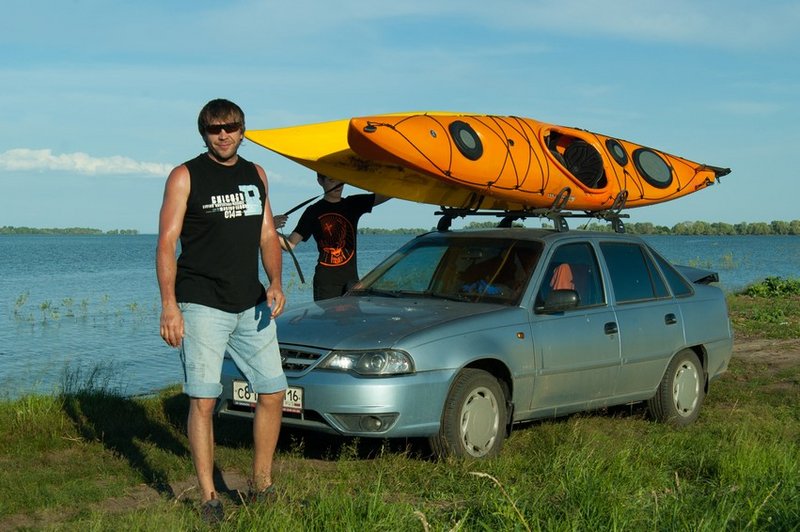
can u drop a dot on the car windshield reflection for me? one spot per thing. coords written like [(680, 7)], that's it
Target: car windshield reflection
[(477, 270)]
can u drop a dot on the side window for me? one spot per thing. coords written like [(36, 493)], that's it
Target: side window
[(679, 285), (573, 267), (634, 277), (659, 285)]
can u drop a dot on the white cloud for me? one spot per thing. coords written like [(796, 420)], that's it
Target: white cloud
[(23, 159)]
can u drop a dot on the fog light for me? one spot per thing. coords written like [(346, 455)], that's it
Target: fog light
[(361, 423), (371, 423)]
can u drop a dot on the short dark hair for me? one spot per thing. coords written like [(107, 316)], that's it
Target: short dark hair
[(219, 110)]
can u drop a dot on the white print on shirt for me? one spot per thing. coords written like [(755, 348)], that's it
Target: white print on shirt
[(246, 202)]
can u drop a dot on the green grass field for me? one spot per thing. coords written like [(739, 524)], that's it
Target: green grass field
[(92, 460)]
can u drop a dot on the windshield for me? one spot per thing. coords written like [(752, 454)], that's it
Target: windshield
[(462, 269)]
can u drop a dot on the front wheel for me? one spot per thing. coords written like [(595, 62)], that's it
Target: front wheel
[(473, 419), (681, 392)]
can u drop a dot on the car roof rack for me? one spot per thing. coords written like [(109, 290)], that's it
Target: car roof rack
[(555, 213)]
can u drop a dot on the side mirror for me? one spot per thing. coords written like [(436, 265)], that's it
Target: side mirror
[(560, 300)]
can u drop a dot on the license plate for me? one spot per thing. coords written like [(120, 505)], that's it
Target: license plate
[(244, 396)]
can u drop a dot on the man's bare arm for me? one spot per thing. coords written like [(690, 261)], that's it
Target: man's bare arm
[(271, 253), (170, 222)]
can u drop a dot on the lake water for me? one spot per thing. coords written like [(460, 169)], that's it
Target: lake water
[(71, 304)]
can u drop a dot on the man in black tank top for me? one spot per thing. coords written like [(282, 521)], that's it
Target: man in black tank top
[(212, 299)]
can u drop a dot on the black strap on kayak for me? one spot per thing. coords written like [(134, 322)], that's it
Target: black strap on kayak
[(309, 200), (294, 259), (286, 240)]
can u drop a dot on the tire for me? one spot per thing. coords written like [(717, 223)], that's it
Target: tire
[(473, 418), (681, 392)]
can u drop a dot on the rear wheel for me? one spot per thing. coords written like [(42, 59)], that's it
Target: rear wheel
[(473, 419), (681, 392)]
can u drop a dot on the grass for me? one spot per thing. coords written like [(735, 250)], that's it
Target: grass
[(769, 309), (48, 311), (90, 459)]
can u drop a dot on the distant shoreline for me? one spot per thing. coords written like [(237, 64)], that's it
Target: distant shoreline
[(637, 228), (10, 230)]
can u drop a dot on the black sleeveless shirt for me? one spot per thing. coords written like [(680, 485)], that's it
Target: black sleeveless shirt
[(218, 262)]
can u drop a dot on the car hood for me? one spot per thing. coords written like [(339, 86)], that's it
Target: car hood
[(358, 322)]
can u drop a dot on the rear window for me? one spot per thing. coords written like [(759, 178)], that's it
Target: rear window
[(679, 285)]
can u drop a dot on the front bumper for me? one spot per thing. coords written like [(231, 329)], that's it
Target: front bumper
[(345, 403)]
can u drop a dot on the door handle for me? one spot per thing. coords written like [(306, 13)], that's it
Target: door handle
[(670, 319), (610, 328)]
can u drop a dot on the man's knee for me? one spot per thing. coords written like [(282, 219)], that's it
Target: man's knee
[(271, 400), (202, 406)]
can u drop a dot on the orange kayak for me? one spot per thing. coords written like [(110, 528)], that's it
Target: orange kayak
[(525, 163)]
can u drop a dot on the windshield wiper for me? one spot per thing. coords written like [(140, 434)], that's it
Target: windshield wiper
[(448, 297), (378, 292)]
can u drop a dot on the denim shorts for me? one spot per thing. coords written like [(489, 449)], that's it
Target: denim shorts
[(248, 337)]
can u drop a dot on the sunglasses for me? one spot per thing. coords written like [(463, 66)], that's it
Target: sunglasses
[(216, 129)]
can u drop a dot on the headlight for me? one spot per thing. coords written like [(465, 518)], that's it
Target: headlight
[(377, 362)]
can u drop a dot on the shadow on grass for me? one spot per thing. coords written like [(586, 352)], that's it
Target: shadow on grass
[(237, 432), (150, 434), (127, 429), (636, 410)]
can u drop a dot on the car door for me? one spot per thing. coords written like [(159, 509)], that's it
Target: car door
[(577, 350), (647, 315)]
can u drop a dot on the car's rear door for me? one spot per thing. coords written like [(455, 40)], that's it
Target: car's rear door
[(648, 317)]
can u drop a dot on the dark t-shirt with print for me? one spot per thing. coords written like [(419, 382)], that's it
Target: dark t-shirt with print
[(334, 227)]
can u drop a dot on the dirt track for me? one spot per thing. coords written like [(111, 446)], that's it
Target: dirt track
[(776, 354)]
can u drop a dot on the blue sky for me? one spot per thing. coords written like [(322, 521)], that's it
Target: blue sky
[(100, 98)]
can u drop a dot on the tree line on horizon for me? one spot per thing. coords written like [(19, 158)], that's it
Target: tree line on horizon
[(707, 228), (776, 227), (11, 230)]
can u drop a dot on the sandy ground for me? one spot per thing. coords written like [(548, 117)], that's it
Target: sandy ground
[(775, 354), (772, 355)]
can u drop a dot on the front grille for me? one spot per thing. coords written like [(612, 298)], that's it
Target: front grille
[(298, 360)]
